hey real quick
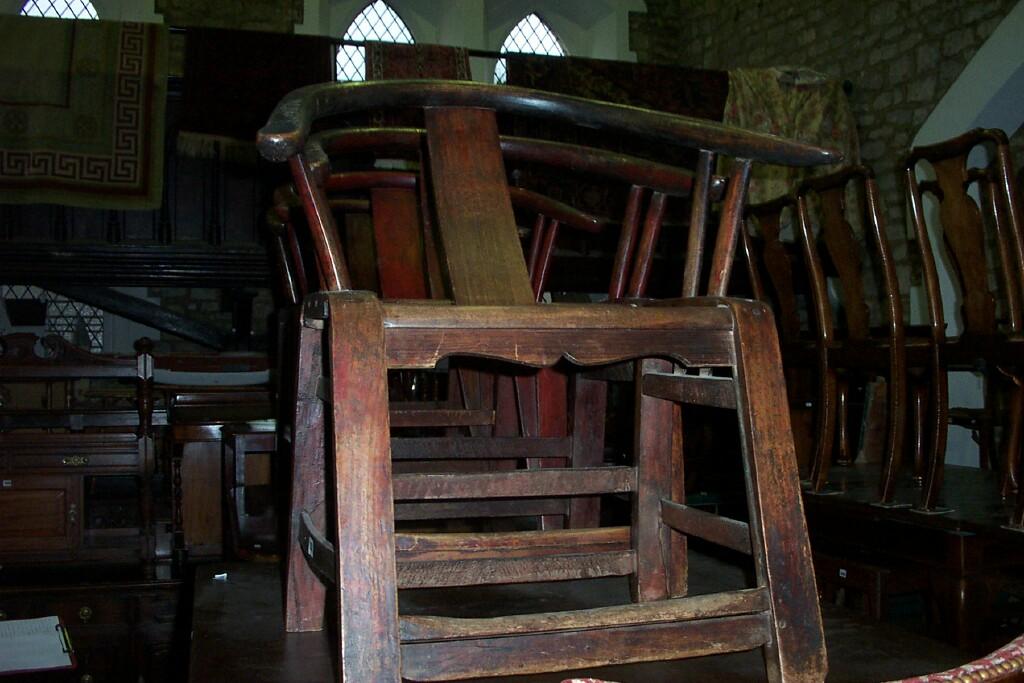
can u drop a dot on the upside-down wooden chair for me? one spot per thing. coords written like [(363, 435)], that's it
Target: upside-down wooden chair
[(851, 346), (539, 404), (990, 339), (775, 275), (364, 337)]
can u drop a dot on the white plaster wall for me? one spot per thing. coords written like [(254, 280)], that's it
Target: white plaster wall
[(587, 28), (988, 94)]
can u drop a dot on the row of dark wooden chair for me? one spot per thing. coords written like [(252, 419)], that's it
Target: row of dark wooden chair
[(881, 528), (840, 230), (704, 350)]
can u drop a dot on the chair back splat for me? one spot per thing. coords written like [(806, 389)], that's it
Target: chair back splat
[(351, 339)]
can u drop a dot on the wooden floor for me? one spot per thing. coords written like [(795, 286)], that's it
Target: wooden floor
[(238, 632)]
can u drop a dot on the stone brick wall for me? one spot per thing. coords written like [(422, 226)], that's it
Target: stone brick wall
[(900, 57)]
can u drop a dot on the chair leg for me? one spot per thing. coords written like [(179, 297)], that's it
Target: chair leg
[(1012, 440), (304, 592), (1012, 460), (782, 555), (678, 563), (920, 430), (506, 418), (553, 405), (1017, 517), (843, 423), (477, 392), (653, 454), (936, 456), (589, 408), (542, 412), (367, 599), (826, 410), (897, 383)]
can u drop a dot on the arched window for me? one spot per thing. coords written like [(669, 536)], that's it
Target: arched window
[(59, 9), (531, 35), (78, 323), (377, 21)]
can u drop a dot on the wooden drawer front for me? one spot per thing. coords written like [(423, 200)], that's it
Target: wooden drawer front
[(44, 443), (87, 607), (105, 653), (38, 513), (120, 631), (83, 611), (83, 614), (77, 461), (60, 452)]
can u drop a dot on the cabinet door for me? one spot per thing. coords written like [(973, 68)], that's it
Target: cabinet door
[(39, 513)]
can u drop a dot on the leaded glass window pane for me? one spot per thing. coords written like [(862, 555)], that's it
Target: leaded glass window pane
[(60, 9), (377, 21), (78, 323), (530, 35)]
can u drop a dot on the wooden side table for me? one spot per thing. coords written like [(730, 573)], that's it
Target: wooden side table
[(196, 419), (249, 465)]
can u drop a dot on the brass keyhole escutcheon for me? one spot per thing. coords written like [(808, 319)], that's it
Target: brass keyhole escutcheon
[(85, 614)]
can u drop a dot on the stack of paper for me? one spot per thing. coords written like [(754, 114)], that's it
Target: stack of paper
[(34, 645)]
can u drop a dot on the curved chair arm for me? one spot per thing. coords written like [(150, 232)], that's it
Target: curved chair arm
[(407, 142), (289, 125)]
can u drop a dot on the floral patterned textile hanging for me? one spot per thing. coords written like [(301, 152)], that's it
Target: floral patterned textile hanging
[(797, 104)]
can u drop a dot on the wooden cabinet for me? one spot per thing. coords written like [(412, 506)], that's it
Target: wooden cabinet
[(122, 631), (70, 497), (76, 467)]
